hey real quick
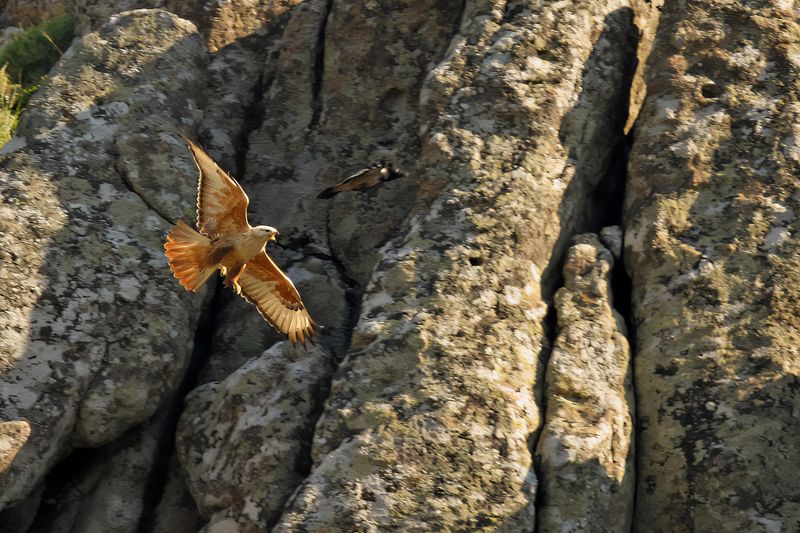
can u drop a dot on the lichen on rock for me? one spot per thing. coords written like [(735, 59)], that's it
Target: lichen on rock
[(243, 441), (429, 419), (587, 470), (94, 332), (711, 246)]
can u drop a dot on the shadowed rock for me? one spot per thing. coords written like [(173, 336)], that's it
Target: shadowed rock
[(242, 442)]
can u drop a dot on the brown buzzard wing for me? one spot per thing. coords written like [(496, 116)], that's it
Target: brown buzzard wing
[(273, 294), (221, 202)]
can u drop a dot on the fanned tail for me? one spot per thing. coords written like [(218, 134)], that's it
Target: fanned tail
[(188, 252)]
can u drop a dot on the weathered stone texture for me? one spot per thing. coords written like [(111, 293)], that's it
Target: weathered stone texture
[(106, 489), (712, 248), (430, 415), (243, 442), (340, 91), (585, 447), (647, 14), (94, 333)]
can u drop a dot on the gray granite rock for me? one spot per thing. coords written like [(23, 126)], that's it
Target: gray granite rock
[(94, 333), (242, 442), (431, 413)]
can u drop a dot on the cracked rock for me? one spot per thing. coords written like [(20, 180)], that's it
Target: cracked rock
[(430, 414), (242, 442), (586, 444)]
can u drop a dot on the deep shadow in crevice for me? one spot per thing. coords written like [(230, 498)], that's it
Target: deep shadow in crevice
[(354, 294), (70, 480), (595, 194), (319, 69), (201, 351), (253, 118), (588, 209)]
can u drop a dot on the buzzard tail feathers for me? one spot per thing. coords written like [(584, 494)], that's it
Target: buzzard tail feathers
[(188, 252)]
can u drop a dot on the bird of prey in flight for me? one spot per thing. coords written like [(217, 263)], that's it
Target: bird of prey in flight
[(226, 241), (364, 179)]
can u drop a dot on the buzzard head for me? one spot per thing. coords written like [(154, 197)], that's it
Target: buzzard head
[(387, 172), (268, 233)]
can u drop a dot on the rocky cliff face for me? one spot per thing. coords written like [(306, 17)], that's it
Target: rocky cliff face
[(485, 361)]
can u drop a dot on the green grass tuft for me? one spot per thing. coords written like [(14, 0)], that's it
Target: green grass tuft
[(25, 61), (33, 52), (11, 96)]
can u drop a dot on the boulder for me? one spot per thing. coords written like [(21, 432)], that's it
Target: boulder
[(243, 442), (94, 332)]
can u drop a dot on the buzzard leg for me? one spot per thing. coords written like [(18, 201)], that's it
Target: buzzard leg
[(233, 278)]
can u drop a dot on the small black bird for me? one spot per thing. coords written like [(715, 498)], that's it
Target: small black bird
[(364, 179)]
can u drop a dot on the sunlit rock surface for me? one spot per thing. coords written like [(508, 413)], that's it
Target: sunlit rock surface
[(712, 246), (585, 448), (460, 382), (94, 334)]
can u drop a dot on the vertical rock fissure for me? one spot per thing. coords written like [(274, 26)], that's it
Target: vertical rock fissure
[(253, 118), (201, 351), (353, 294), (550, 332), (204, 330), (621, 296), (63, 476), (127, 182), (606, 205), (319, 69)]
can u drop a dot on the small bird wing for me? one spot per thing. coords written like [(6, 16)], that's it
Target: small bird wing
[(221, 201), (274, 295), (369, 177)]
